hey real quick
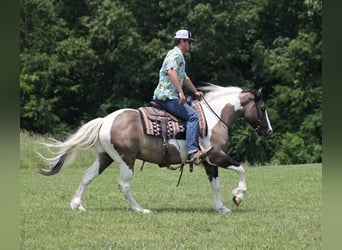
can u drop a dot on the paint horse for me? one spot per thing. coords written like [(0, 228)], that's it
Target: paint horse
[(119, 137)]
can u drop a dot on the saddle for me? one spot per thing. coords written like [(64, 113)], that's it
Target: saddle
[(160, 123), (154, 118)]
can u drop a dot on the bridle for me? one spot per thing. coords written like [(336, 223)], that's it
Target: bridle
[(258, 109), (259, 114), (220, 119)]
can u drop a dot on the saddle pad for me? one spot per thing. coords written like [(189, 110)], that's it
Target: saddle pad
[(201, 119), (152, 118)]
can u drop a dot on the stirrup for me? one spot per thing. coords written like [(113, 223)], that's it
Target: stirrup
[(204, 153), (197, 157)]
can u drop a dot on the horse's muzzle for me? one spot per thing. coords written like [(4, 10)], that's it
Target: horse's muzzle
[(263, 132)]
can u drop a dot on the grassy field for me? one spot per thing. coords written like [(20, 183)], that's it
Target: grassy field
[(281, 210)]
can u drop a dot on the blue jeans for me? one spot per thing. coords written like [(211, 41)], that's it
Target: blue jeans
[(187, 114)]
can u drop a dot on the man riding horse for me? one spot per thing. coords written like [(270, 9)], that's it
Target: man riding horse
[(169, 94), (120, 136)]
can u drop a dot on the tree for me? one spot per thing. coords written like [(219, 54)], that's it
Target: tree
[(80, 60)]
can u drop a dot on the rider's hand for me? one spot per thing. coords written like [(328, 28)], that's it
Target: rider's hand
[(182, 98), (199, 95)]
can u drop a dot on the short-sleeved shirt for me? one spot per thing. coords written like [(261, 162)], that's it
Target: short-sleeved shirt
[(165, 88)]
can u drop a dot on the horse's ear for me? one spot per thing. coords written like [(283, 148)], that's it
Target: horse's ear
[(258, 93)]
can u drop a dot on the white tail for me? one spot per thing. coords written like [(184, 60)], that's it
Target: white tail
[(85, 137)]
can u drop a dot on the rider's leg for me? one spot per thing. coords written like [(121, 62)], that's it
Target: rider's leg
[(190, 116)]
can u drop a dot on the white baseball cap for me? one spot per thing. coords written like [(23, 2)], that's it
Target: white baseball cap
[(184, 34)]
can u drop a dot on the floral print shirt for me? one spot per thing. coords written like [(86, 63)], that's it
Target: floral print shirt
[(165, 88)]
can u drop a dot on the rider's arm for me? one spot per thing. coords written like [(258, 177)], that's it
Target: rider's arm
[(174, 79), (188, 83)]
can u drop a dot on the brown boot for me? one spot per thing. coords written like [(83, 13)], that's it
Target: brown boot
[(195, 157), (198, 156)]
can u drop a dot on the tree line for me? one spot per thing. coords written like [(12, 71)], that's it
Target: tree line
[(83, 59)]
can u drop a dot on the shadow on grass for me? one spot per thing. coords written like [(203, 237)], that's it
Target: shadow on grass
[(243, 210), (202, 210), (183, 210)]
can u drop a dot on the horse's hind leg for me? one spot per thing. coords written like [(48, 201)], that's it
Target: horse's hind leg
[(126, 175), (102, 161)]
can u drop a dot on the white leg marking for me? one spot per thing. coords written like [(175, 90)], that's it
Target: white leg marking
[(242, 187), (218, 204), (89, 176), (125, 181)]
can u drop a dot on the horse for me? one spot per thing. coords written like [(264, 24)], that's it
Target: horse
[(119, 137)]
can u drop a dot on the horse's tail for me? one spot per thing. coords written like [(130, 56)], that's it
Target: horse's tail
[(86, 136)]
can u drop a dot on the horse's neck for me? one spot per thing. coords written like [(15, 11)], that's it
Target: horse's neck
[(219, 120), (228, 113)]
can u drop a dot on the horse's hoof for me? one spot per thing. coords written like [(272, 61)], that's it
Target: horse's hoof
[(81, 208), (237, 200), (76, 204), (146, 211), (223, 210), (143, 211), (78, 207)]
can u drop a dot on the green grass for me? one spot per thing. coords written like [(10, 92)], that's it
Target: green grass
[(281, 210)]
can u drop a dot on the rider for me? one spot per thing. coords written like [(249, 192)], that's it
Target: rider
[(170, 96)]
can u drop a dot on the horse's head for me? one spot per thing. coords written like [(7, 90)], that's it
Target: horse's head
[(255, 114), (232, 102)]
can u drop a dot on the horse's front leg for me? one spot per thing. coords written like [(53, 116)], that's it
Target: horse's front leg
[(240, 190), (212, 172), (221, 158)]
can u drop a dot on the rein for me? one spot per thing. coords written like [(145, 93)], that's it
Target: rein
[(220, 119)]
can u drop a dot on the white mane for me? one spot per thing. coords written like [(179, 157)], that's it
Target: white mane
[(214, 91)]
